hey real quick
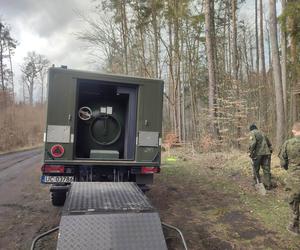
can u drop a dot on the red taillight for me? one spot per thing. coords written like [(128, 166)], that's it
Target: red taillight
[(53, 169), (57, 151), (149, 170)]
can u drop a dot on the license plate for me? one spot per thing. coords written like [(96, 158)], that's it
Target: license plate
[(57, 179)]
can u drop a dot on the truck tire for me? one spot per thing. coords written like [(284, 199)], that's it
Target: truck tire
[(58, 198)]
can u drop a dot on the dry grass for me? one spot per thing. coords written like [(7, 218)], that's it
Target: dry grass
[(21, 126), (209, 196)]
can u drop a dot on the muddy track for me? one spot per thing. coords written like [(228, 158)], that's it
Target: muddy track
[(25, 206), (9, 160)]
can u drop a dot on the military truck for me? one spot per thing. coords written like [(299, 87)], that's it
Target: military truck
[(100, 127)]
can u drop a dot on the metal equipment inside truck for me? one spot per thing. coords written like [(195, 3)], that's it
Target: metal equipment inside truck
[(101, 128)]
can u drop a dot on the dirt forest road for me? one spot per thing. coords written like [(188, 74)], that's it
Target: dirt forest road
[(25, 206), (208, 196)]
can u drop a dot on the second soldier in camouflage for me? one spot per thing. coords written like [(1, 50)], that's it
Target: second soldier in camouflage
[(260, 150), (290, 160)]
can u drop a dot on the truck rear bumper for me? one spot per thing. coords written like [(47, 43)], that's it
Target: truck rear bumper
[(102, 163)]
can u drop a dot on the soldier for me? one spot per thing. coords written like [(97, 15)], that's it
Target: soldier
[(260, 150), (290, 160)]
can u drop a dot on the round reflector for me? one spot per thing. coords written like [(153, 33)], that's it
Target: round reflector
[(57, 151)]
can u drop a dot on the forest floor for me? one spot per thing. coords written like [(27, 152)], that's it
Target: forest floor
[(210, 197)]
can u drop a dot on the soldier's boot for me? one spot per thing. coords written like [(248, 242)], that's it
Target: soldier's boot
[(256, 180), (267, 183), (293, 228)]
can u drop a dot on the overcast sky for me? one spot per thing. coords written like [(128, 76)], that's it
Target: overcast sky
[(48, 27)]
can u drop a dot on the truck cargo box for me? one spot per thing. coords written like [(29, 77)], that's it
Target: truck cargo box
[(101, 119)]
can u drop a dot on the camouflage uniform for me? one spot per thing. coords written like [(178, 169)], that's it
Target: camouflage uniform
[(260, 150), (290, 160)]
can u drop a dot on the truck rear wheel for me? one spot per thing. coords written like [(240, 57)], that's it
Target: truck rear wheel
[(58, 198)]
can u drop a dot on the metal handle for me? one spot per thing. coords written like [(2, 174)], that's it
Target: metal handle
[(178, 231)]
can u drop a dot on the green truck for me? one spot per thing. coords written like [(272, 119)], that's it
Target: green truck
[(101, 128)]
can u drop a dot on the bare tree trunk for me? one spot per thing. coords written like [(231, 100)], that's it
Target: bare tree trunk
[(11, 74), (1, 59), (171, 77), (42, 79), (23, 91), (209, 13), (183, 113), (30, 90), (283, 62), (269, 46), (229, 50), (245, 52), (262, 82), (256, 38), (251, 53), (261, 44), (280, 121), (225, 66), (177, 71), (235, 65), (124, 33), (234, 41), (156, 36)]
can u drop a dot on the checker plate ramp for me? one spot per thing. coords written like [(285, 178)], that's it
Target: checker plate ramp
[(109, 216)]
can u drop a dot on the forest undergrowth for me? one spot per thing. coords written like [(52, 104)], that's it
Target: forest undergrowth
[(210, 197)]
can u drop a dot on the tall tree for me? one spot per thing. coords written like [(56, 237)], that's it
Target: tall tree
[(263, 80), (283, 60), (256, 38), (234, 41), (2, 56), (209, 37), (261, 42), (7, 46), (32, 69), (235, 65), (44, 64), (280, 116), (123, 14)]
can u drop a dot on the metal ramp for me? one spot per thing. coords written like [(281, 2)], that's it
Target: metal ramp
[(109, 216)]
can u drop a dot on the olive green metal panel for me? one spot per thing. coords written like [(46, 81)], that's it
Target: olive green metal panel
[(62, 112), (150, 119)]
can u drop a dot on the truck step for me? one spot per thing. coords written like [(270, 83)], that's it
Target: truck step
[(109, 216)]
